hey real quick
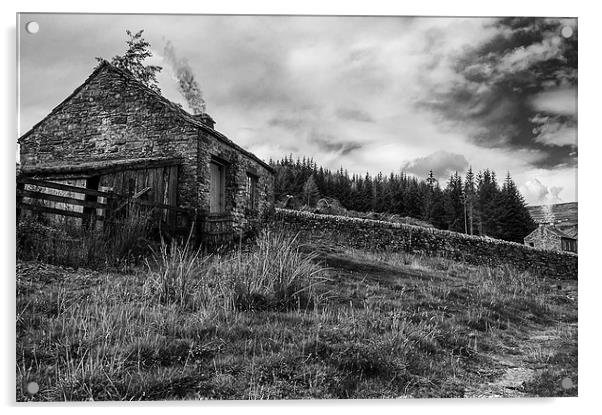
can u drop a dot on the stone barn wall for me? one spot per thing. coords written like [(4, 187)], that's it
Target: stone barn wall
[(237, 166), (372, 234)]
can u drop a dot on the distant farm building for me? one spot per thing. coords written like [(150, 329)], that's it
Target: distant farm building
[(547, 236), (564, 216), (113, 135)]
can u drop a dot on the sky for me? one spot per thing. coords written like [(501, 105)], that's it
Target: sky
[(369, 94)]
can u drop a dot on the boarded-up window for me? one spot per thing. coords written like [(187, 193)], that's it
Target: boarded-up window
[(217, 187)]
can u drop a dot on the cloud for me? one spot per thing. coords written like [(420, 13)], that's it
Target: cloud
[(524, 57), (561, 101), (442, 163), (328, 143), (354, 114), (537, 193), (494, 89), (289, 123), (556, 131)]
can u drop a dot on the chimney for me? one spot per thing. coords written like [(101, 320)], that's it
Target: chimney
[(205, 119)]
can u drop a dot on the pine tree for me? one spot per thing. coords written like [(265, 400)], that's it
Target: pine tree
[(514, 220), (469, 201), (454, 204), (487, 199), (474, 206), (427, 197), (133, 61), (437, 213)]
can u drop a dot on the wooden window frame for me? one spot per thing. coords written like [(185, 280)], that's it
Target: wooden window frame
[(222, 168)]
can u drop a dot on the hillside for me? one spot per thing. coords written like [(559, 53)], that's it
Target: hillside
[(564, 214), (368, 325)]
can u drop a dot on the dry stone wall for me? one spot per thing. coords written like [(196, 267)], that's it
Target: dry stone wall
[(372, 234)]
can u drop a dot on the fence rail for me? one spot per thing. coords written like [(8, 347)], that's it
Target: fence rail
[(82, 203), (46, 209), (66, 187), (60, 199)]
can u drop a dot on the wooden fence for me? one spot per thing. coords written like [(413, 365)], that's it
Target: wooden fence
[(97, 208)]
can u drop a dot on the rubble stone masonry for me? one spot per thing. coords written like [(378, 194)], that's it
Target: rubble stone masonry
[(372, 234)]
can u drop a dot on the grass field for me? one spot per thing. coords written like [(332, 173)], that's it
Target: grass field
[(280, 320)]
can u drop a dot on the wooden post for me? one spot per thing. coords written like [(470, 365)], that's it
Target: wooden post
[(89, 219), (20, 186)]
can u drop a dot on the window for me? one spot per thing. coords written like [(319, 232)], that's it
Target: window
[(217, 187), (568, 245), (251, 191)]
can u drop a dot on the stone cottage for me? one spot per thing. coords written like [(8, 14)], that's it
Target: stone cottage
[(547, 236), (115, 133)]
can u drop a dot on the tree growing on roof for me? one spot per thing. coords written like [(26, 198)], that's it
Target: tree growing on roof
[(133, 60)]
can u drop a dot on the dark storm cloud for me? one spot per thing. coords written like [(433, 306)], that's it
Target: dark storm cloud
[(442, 163), (499, 91)]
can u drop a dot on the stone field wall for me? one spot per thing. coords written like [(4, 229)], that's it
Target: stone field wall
[(371, 234)]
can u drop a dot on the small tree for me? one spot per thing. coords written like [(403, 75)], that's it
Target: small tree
[(469, 201), (132, 61), (311, 194)]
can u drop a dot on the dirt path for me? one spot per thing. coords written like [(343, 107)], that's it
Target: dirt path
[(537, 352), (526, 352)]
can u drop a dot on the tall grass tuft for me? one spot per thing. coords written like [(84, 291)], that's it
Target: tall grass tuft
[(173, 272), (272, 275)]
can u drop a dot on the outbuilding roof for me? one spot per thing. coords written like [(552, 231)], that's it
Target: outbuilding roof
[(549, 228)]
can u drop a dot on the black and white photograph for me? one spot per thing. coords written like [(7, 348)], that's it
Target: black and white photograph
[(286, 207)]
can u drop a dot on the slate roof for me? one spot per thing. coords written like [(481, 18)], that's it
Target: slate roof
[(104, 65), (551, 229)]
